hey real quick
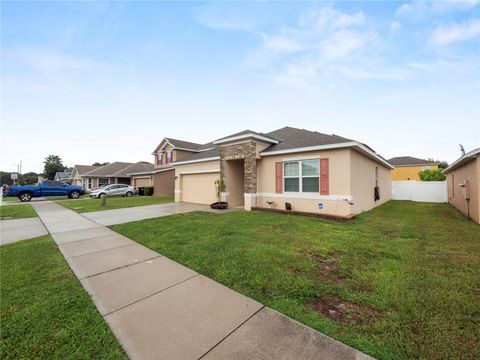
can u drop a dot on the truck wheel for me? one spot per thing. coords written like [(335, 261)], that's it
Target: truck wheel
[(128, 194), (74, 195), (25, 196)]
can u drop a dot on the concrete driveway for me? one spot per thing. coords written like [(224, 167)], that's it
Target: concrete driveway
[(120, 216)]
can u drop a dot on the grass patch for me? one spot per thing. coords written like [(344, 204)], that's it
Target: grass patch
[(45, 313), (399, 282), (17, 211), (89, 205)]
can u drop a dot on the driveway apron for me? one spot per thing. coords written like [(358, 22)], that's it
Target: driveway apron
[(159, 309)]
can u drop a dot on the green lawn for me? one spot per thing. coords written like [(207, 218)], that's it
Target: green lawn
[(88, 205), (45, 313), (17, 211), (399, 282)]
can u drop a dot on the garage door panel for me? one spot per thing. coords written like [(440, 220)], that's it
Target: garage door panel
[(199, 188), (142, 182)]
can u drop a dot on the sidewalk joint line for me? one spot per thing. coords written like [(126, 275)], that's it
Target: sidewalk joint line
[(231, 332), (148, 296), (120, 267), (94, 252)]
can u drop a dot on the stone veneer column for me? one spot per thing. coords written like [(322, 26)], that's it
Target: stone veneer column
[(248, 152)]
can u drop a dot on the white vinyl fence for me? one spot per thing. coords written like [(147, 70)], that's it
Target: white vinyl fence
[(424, 191)]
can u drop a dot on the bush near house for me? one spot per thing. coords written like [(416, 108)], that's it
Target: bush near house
[(148, 191), (432, 175)]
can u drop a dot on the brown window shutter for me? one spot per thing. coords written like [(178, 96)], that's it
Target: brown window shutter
[(324, 177), (278, 177)]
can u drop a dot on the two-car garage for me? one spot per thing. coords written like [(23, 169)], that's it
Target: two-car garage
[(198, 187)]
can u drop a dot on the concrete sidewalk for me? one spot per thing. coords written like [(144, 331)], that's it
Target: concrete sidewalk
[(159, 309), (20, 229)]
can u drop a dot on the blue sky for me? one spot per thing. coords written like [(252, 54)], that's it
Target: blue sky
[(106, 81)]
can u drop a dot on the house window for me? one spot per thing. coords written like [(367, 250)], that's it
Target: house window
[(169, 157), (159, 159), (103, 181), (302, 176), (426, 167), (89, 183)]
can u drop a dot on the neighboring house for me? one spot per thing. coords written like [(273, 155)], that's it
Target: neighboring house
[(162, 176), (463, 181), (313, 172), (63, 176), (407, 167), (114, 173), (78, 174)]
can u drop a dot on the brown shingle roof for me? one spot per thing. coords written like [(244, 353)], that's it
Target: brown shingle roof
[(409, 160), (292, 138), (83, 169), (138, 167), (109, 170)]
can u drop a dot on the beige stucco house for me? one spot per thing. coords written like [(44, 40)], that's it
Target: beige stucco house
[(162, 175), (463, 181), (312, 172)]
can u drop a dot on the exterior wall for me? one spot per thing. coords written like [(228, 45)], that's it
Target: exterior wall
[(362, 172), (176, 156), (457, 194), (339, 184), (164, 183), (409, 172), (201, 167)]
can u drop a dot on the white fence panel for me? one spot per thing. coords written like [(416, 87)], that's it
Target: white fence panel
[(424, 191)]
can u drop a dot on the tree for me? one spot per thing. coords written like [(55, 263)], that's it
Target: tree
[(29, 178), (100, 164), (432, 175), (442, 164), (53, 163)]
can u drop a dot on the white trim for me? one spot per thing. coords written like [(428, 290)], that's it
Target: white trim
[(246, 136), (459, 160), (249, 195), (348, 144), (184, 149), (178, 191), (150, 172), (199, 172), (310, 196), (196, 161)]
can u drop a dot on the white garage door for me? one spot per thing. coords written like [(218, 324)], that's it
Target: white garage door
[(141, 182), (199, 188)]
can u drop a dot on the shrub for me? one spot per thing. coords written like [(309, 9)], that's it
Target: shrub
[(148, 191), (432, 175)]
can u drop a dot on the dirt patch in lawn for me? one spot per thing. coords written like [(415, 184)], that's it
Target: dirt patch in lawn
[(345, 312), (328, 268)]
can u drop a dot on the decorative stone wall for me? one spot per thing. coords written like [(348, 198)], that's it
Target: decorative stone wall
[(246, 151)]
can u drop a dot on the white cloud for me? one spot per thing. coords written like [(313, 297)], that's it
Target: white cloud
[(301, 54), (395, 26), (446, 35), (420, 8)]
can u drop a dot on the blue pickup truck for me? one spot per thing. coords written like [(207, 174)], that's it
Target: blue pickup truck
[(45, 188)]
